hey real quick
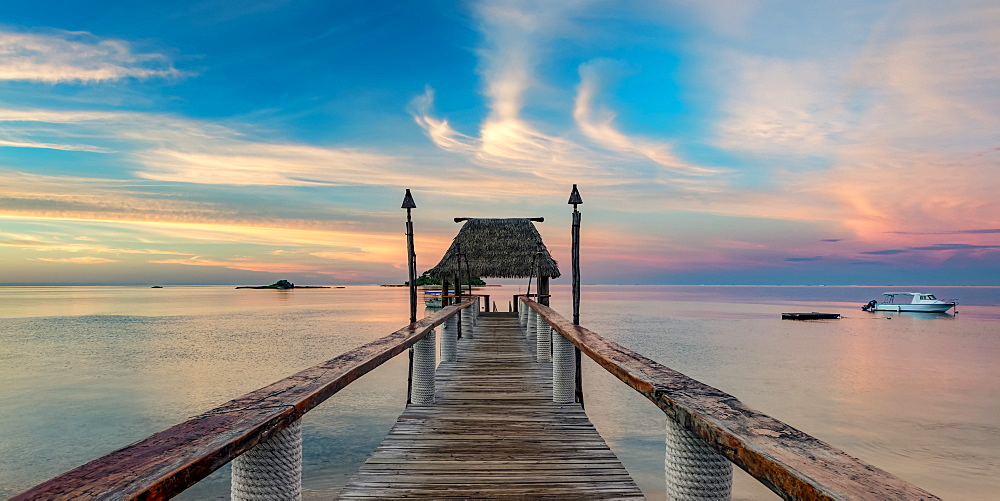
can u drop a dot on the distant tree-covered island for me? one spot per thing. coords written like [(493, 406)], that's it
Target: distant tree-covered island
[(282, 284)]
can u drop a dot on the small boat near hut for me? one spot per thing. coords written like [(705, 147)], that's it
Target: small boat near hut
[(918, 301), (432, 299)]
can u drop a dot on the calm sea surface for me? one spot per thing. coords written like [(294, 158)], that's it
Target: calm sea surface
[(86, 370)]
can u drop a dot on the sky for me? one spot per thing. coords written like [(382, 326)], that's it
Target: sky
[(750, 142)]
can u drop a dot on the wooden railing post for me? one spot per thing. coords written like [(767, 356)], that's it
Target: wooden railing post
[(693, 469), (449, 340), (467, 315), (475, 313), (423, 369), (531, 322), (563, 370), (522, 312), (271, 469), (530, 329), (543, 341)]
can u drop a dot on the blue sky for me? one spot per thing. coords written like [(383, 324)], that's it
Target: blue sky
[(713, 142)]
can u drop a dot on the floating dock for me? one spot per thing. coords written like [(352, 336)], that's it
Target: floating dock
[(810, 316)]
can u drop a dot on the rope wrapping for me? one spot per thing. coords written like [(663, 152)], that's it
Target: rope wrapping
[(522, 314), (543, 344), (563, 370), (270, 470), (423, 370), (530, 329), (475, 315), (693, 469), (449, 340), (467, 323)]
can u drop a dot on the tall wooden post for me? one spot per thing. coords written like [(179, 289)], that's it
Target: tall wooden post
[(411, 259), (575, 199), (411, 255)]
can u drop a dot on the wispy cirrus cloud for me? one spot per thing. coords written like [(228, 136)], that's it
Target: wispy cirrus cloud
[(986, 231), (35, 195), (515, 145), (517, 39), (166, 148), (77, 57), (126, 130), (260, 164), (76, 260), (598, 125), (884, 126), (53, 146), (515, 36)]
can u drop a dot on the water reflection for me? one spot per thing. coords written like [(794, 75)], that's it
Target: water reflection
[(86, 370)]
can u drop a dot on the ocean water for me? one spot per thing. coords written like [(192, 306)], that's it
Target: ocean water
[(87, 370)]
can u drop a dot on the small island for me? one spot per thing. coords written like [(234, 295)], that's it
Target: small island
[(283, 284)]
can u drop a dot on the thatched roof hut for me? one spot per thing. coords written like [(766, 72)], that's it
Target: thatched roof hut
[(497, 248)]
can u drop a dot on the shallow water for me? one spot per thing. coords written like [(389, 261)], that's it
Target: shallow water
[(86, 370)]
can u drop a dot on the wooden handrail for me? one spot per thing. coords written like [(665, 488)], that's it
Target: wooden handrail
[(790, 462), (164, 464)]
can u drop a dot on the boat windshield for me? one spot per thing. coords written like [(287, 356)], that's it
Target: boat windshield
[(929, 297)]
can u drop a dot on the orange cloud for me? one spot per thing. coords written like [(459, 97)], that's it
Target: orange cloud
[(76, 260)]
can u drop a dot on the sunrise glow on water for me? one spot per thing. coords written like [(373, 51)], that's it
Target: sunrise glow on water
[(900, 391)]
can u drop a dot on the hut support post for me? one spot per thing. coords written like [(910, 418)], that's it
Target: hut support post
[(423, 369), (693, 469), (271, 469), (445, 300)]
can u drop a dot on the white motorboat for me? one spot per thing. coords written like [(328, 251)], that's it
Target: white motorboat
[(909, 301), (432, 299)]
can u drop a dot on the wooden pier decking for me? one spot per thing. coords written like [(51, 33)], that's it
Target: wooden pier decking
[(492, 433)]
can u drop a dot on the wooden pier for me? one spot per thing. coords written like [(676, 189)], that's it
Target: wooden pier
[(499, 417), (493, 432)]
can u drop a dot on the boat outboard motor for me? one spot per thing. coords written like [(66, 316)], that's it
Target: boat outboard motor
[(870, 306)]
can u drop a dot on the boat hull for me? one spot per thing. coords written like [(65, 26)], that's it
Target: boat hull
[(924, 308)]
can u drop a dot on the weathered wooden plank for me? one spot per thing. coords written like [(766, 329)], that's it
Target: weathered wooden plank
[(791, 463), (164, 464), (493, 432)]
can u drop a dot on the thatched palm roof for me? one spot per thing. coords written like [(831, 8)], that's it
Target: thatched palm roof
[(497, 248)]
